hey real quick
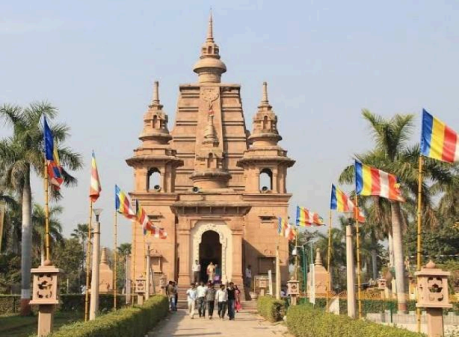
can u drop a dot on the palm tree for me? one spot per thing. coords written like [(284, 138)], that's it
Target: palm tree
[(55, 228), (21, 154), (391, 154), (124, 249), (11, 223)]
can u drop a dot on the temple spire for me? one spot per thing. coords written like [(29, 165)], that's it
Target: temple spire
[(210, 29), (264, 96), (155, 101)]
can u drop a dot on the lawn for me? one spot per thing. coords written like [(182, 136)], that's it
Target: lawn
[(14, 325)]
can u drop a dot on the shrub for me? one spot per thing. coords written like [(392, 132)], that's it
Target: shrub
[(270, 308), (75, 302), (128, 322), (9, 304), (305, 321)]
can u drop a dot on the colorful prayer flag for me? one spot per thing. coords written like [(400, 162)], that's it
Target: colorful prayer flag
[(290, 232), (52, 158), (95, 188), (123, 204), (142, 218), (306, 218), (371, 181), (285, 229), (438, 141), (342, 203)]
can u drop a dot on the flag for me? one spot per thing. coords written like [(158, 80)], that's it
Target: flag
[(371, 181), (438, 141), (285, 229), (52, 158), (159, 233), (95, 188), (281, 227), (340, 202), (306, 218), (142, 218), (290, 232), (123, 204)]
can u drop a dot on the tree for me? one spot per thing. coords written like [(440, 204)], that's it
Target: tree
[(20, 155), (55, 228), (69, 254)]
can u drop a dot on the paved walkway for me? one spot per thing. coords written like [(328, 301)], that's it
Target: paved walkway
[(245, 324)]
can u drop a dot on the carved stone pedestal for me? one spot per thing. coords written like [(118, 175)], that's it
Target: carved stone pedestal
[(140, 289), (293, 290), (46, 295)]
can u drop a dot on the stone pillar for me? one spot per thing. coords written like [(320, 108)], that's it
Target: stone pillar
[(237, 257), (94, 304), (185, 256), (350, 268)]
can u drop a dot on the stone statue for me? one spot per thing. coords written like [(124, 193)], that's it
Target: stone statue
[(211, 271)]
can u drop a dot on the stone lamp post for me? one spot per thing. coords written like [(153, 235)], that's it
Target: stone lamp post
[(140, 289), (263, 285), (432, 287), (94, 303), (293, 290), (46, 295)]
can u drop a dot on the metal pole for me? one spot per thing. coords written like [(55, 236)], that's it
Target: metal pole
[(147, 279), (278, 276), (94, 306), (419, 237), (296, 256), (305, 270), (329, 257), (359, 291), (88, 264), (115, 259), (46, 211)]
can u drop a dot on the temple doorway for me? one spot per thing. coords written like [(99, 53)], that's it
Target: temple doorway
[(210, 250)]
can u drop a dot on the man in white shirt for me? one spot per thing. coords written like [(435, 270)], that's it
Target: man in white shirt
[(196, 272), (221, 297), (201, 299), (248, 276), (191, 297)]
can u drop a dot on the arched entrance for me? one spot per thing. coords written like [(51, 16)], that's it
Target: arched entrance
[(210, 250)]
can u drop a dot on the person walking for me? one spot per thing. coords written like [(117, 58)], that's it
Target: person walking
[(238, 304), (170, 293), (191, 298), (231, 291), (201, 300), (210, 299), (196, 272), (222, 298)]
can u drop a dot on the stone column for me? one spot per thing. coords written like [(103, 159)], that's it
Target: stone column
[(94, 304), (350, 273), (237, 257), (185, 255)]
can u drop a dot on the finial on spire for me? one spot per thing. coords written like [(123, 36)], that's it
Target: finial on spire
[(318, 258), (264, 97), (155, 100), (210, 29)]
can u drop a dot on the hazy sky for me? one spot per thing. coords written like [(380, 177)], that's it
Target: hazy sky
[(324, 61)]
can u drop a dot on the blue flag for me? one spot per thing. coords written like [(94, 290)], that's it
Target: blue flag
[(49, 141)]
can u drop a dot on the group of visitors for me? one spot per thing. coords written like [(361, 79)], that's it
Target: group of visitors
[(213, 272), (206, 296)]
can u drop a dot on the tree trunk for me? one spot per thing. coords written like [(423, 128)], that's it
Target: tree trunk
[(398, 255), (26, 245), (374, 258), (390, 245)]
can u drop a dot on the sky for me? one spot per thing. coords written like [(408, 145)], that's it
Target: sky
[(324, 62)]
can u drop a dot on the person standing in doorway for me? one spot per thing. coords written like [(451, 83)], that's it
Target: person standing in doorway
[(191, 298), (211, 271), (231, 291), (222, 298), (201, 300), (248, 276), (210, 299), (196, 272)]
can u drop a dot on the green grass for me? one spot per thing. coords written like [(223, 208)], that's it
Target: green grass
[(13, 325)]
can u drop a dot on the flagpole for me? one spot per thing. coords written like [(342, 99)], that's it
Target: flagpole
[(115, 258), (46, 210), (278, 277), (144, 256), (329, 258), (419, 237), (134, 260), (88, 262), (296, 255), (359, 292)]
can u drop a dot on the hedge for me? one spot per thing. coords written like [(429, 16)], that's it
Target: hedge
[(270, 308), (305, 321), (69, 302), (374, 305), (128, 322)]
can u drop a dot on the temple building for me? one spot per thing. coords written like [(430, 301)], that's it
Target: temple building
[(215, 187)]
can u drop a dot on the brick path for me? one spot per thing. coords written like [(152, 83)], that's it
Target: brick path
[(246, 324)]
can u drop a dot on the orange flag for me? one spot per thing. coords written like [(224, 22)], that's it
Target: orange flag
[(95, 188)]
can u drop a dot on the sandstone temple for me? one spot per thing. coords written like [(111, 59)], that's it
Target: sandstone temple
[(214, 186)]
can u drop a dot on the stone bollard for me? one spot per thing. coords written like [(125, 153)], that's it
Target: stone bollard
[(45, 295), (293, 290), (432, 287), (140, 289)]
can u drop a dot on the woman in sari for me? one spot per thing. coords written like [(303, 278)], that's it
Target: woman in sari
[(238, 305)]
